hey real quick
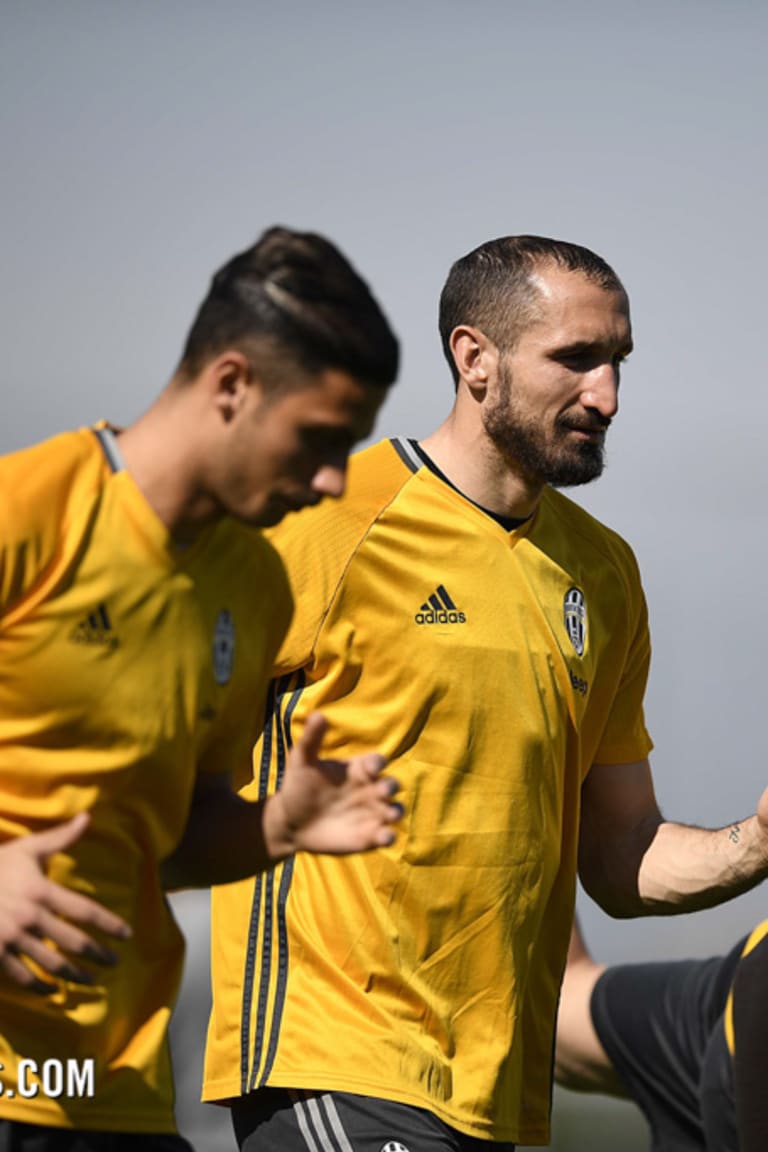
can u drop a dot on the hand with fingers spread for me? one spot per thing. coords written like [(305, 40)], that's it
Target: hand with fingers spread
[(330, 806), (42, 921)]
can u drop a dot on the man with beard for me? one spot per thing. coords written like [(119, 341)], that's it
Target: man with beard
[(491, 636)]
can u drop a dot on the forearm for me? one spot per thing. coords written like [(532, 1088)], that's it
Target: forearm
[(633, 862), (226, 839), (685, 869), (325, 806), (667, 868), (581, 1063)]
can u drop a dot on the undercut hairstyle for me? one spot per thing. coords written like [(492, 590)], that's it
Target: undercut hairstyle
[(293, 296), (493, 288)]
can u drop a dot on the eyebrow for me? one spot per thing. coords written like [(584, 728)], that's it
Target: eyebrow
[(590, 346)]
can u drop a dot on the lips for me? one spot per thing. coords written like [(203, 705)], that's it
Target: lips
[(588, 429)]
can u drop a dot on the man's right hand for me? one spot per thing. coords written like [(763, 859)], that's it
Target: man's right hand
[(42, 921)]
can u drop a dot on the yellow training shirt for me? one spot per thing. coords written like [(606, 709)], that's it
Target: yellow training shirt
[(492, 668), (127, 666)]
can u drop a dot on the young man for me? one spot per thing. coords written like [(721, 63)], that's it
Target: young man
[(685, 1040), (491, 637), (141, 614)]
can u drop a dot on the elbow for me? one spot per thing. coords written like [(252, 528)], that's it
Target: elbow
[(180, 870), (612, 874), (619, 910), (172, 876), (619, 897)]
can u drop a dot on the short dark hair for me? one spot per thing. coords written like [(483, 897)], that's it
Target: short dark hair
[(492, 287), (294, 292)]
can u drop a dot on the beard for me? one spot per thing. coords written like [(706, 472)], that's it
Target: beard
[(551, 456)]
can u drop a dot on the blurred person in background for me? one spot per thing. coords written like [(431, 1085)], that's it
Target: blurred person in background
[(686, 1040), (140, 615)]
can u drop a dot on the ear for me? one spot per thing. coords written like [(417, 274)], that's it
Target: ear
[(231, 383), (476, 357)]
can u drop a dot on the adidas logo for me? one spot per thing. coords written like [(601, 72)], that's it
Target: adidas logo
[(96, 629), (439, 609)]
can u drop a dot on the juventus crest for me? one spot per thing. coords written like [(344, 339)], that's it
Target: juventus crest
[(575, 617), (223, 647)]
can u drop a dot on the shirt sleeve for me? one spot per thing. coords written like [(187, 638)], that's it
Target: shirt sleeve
[(625, 738), (34, 491), (315, 546)]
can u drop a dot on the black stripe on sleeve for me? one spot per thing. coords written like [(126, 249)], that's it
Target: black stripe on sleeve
[(109, 447), (285, 743), (405, 451)]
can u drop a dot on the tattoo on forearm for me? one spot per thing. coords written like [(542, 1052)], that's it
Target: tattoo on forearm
[(735, 834)]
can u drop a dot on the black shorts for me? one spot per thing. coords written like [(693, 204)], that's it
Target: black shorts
[(278, 1120), (16, 1137), (661, 1025)]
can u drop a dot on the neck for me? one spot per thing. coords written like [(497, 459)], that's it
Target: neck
[(158, 453), (472, 462)]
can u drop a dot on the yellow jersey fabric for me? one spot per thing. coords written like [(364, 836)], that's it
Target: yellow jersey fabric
[(127, 667), (755, 937), (492, 668)]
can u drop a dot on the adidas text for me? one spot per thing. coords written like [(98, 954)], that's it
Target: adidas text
[(441, 617)]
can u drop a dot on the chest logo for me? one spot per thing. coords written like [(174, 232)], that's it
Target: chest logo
[(223, 647), (439, 609), (96, 630), (575, 618)]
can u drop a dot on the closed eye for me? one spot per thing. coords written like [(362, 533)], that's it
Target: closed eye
[(327, 440), (583, 358), (580, 359)]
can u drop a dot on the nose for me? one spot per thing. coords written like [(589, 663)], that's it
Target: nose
[(330, 480), (601, 390)]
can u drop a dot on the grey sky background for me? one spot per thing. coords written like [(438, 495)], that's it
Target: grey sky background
[(144, 141)]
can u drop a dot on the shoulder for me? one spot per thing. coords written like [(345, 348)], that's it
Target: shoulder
[(318, 545), (46, 471), (45, 489), (756, 936), (335, 528), (375, 476), (579, 531)]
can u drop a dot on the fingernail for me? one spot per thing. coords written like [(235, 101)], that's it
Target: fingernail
[(77, 977), (43, 989)]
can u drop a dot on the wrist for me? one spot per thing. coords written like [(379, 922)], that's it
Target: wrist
[(279, 834), (759, 842)]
